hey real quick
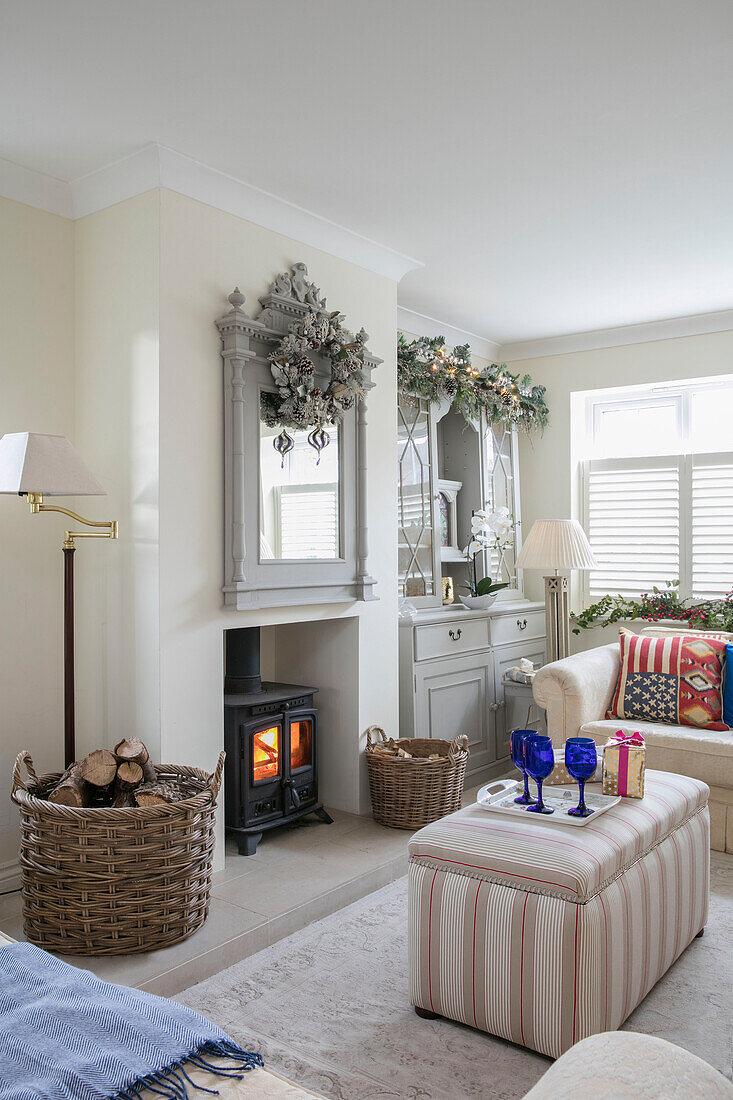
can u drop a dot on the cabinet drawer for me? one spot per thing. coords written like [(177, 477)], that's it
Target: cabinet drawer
[(438, 640), (517, 627)]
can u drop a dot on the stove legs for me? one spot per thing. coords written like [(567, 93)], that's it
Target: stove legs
[(247, 843)]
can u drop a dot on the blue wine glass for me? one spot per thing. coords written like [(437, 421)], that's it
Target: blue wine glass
[(580, 761), (539, 760), (517, 751)]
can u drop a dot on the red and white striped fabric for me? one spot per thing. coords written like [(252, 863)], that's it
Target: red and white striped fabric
[(544, 934)]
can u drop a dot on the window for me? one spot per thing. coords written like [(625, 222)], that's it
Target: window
[(657, 488)]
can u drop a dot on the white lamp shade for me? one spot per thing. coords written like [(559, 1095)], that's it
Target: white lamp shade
[(556, 544), (48, 464)]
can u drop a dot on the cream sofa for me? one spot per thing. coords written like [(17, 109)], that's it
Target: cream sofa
[(623, 1065), (576, 693)]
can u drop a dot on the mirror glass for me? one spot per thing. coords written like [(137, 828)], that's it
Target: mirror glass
[(415, 512), (299, 498)]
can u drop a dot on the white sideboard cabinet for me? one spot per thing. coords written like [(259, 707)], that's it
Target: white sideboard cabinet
[(452, 662)]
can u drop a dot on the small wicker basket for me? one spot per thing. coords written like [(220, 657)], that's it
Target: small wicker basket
[(108, 881), (410, 793)]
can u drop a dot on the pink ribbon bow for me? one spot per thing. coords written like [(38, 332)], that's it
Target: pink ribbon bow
[(627, 739)]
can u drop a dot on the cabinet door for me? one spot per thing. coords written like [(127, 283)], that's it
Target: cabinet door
[(506, 657), (454, 696)]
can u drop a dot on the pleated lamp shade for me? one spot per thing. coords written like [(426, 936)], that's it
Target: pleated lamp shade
[(34, 463), (556, 544)]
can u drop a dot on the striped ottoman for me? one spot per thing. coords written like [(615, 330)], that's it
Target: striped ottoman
[(544, 934)]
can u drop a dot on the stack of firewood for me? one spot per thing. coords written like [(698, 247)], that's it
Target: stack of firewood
[(123, 777), (390, 747)]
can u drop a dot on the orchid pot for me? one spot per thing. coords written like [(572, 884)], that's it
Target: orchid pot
[(479, 603)]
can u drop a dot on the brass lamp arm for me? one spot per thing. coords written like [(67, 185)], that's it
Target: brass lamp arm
[(35, 500)]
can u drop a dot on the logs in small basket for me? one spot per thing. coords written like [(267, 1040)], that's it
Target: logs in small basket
[(115, 881), (409, 791)]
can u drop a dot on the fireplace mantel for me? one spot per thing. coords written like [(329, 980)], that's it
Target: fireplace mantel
[(253, 579)]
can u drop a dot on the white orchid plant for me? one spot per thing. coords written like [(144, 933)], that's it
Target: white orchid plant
[(490, 531)]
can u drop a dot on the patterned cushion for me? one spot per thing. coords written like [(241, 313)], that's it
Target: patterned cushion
[(675, 680)]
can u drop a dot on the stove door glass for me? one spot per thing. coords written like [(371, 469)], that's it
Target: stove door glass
[(301, 744), (266, 754)]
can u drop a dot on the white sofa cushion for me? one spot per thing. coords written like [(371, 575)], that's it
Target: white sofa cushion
[(687, 750)]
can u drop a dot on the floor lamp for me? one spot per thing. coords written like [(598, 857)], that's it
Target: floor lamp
[(37, 466), (557, 544)]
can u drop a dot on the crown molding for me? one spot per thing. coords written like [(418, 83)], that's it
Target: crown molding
[(696, 325), (35, 189), (157, 166), (410, 321), (122, 179)]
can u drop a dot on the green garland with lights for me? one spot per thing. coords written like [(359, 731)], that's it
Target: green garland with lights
[(427, 368)]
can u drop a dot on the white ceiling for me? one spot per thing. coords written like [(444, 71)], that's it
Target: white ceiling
[(558, 165)]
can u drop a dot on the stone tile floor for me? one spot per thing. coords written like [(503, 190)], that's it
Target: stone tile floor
[(298, 875)]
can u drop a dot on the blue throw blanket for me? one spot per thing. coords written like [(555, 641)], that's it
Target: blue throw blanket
[(66, 1035)]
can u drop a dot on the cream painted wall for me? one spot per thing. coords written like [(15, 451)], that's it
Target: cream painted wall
[(204, 253), (117, 427), (36, 394), (548, 468), (127, 364)]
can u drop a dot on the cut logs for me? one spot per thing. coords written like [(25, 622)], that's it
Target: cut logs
[(71, 790), (156, 794), (99, 768), (129, 775), (105, 778), (133, 751)]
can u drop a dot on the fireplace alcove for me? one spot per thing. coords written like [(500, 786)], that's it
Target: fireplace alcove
[(271, 741)]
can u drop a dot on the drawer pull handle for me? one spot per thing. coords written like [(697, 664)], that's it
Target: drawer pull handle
[(454, 634), (522, 624)]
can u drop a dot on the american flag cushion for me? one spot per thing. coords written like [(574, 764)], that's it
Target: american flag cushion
[(675, 680)]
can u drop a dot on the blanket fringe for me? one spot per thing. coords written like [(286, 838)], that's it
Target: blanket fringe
[(173, 1082)]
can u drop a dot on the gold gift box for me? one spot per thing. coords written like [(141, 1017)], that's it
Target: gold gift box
[(624, 764)]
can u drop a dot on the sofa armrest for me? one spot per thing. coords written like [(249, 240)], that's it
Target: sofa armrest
[(577, 690)]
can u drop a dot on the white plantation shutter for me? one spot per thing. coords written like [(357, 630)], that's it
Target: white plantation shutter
[(308, 521), (712, 525), (632, 518)]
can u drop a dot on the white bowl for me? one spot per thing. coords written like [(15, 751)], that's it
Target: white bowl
[(478, 603)]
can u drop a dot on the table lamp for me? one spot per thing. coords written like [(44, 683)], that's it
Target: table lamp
[(557, 544), (38, 466)]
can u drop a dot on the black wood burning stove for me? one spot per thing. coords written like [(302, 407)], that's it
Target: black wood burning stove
[(271, 741)]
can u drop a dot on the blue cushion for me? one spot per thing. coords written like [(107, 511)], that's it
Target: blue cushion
[(728, 686)]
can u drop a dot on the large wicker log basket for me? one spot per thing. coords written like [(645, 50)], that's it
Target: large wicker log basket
[(115, 881), (409, 791)]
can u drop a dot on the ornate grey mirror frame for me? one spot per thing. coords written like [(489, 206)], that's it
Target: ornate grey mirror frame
[(249, 580)]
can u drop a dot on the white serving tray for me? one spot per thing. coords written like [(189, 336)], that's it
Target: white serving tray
[(498, 797)]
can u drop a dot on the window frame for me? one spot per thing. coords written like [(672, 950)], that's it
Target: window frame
[(685, 459)]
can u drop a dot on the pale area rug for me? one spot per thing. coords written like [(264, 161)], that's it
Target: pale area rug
[(328, 1008)]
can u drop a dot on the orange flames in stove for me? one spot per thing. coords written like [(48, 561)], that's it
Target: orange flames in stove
[(267, 754)]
